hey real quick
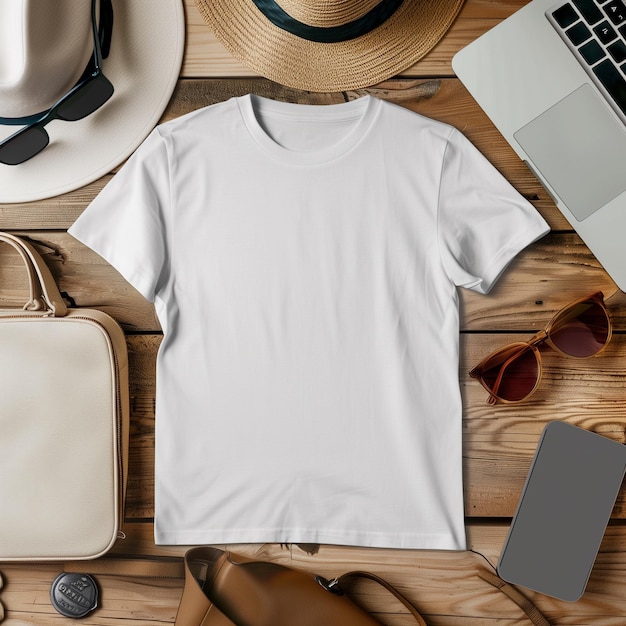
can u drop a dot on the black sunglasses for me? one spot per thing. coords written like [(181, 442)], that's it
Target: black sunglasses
[(91, 91)]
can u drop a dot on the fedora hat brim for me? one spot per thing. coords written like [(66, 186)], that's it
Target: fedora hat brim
[(143, 65)]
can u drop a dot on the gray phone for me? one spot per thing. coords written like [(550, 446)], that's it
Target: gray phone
[(564, 509)]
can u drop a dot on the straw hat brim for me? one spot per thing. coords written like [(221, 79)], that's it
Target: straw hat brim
[(412, 31), (144, 65)]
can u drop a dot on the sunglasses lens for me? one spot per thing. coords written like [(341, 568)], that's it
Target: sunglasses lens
[(512, 373), (24, 145), (85, 99), (581, 331)]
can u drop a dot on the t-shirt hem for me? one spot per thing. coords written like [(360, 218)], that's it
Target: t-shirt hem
[(415, 541)]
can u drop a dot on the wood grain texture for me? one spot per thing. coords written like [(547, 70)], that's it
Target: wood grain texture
[(444, 99), (543, 278), (499, 441), (444, 585)]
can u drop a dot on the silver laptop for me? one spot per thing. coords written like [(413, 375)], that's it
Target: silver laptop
[(552, 78)]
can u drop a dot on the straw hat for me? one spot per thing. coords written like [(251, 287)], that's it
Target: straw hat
[(45, 47), (329, 45)]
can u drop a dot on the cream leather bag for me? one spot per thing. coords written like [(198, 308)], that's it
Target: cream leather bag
[(64, 421)]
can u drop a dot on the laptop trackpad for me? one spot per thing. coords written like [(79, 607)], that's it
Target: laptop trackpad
[(580, 149)]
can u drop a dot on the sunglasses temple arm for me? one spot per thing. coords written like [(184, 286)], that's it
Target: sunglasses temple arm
[(493, 398), (105, 28), (97, 53)]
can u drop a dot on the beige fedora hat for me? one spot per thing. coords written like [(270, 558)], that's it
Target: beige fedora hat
[(329, 45), (44, 48)]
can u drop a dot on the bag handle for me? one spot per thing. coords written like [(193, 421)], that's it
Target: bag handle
[(381, 581), (32, 279), (44, 293), (175, 569), (536, 617), (522, 601)]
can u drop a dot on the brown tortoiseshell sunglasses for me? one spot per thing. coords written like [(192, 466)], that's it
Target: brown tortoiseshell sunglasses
[(512, 373)]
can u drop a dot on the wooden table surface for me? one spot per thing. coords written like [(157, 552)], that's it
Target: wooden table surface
[(499, 441)]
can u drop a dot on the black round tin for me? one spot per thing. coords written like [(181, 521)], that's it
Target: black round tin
[(74, 595)]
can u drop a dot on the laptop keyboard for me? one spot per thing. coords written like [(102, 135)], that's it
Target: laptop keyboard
[(595, 30)]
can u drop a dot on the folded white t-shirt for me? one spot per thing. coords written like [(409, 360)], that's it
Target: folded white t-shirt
[(304, 263)]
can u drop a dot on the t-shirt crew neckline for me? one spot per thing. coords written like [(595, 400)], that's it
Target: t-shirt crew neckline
[(363, 111)]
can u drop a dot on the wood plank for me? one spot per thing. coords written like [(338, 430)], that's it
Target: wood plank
[(541, 280), (82, 275), (444, 585), (205, 56), (442, 99), (499, 441)]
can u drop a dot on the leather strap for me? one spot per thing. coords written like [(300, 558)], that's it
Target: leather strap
[(44, 293), (32, 280), (514, 594), (175, 568), (522, 601), (381, 581), (151, 568)]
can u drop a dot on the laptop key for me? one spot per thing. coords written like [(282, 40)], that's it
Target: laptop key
[(616, 10), (605, 32), (592, 52), (613, 81), (599, 48), (565, 16), (589, 10), (618, 51), (578, 33)]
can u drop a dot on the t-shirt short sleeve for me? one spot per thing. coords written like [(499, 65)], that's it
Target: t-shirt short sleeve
[(483, 222), (126, 222)]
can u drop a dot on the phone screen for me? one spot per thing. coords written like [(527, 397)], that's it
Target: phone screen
[(564, 509)]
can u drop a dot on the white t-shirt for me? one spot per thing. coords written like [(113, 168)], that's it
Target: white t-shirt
[(304, 264)]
